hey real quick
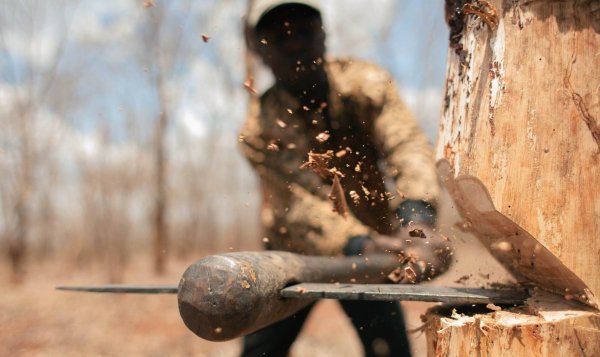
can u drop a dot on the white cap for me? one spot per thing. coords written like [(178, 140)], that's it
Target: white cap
[(261, 7)]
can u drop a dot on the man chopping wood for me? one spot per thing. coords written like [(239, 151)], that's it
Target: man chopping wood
[(343, 168)]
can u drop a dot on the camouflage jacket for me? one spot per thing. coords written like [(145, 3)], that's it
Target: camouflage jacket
[(377, 145)]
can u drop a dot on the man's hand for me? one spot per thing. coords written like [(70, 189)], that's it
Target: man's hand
[(425, 252)]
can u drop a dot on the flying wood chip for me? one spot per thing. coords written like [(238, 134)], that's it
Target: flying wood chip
[(319, 163), (338, 197), (249, 85)]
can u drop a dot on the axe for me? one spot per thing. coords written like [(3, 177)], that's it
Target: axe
[(225, 296)]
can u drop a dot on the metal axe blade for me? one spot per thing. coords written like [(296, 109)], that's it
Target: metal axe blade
[(379, 292), (388, 292), (124, 289)]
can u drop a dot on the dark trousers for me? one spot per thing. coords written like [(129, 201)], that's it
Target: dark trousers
[(379, 324)]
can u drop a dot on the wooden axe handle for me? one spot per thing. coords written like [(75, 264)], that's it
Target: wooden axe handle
[(225, 296)]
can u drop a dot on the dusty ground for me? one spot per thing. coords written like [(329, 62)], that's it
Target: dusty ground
[(37, 320)]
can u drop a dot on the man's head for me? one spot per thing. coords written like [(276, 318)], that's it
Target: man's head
[(289, 38)]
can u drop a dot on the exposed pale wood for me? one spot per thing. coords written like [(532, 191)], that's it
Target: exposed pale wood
[(520, 132), (521, 115), (549, 326)]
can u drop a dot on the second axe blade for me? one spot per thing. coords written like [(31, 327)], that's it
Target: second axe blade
[(389, 292)]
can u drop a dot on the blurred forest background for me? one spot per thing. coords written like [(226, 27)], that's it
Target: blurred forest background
[(119, 161), (119, 122)]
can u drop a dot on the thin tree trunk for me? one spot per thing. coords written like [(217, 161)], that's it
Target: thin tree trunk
[(160, 209), (17, 246)]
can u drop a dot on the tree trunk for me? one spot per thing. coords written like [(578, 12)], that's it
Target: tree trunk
[(18, 241), (546, 326), (160, 208), (520, 131)]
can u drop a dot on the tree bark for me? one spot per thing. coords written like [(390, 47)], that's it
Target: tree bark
[(520, 131)]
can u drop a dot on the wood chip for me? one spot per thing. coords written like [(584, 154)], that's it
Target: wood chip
[(417, 232), (280, 123), (319, 163), (205, 38), (409, 275), (341, 153), (462, 279), (338, 197), (402, 275), (249, 85), (493, 307), (323, 137)]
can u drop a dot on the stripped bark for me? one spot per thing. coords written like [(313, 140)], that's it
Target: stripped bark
[(520, 134)]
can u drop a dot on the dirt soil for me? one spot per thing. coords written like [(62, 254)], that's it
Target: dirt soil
[(37, 320)]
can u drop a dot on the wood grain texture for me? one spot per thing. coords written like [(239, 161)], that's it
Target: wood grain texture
[(522, 115), (548, 326)]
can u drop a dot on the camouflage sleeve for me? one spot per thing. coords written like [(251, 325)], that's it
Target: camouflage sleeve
[(320, 230), (293, 217), (408, 153)]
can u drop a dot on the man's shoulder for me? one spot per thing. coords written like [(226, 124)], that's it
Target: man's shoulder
[(351, 68), (358, 77)]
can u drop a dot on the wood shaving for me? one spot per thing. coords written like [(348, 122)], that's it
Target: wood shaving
[(401, 194), (323, 137), (366, 191), (484, 10), (355, 197), (417, 232), (403, 275), (396, 275), (338, 197), (249, 86), (245, 284), (493, 307), (319, 163), (205, 38), (263, 41), (341, 153), (462, 279), (280, 123), (272, 147), (410, 275)]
